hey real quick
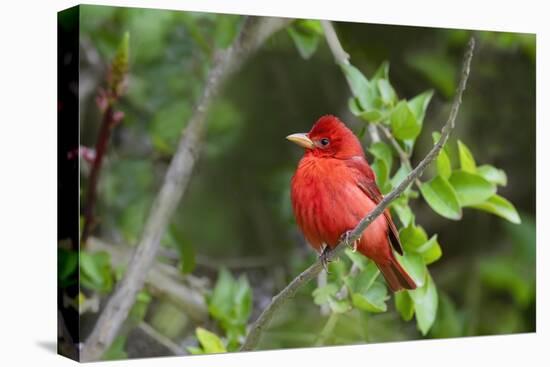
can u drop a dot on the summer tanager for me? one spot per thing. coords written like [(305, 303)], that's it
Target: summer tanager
[(333, 189)]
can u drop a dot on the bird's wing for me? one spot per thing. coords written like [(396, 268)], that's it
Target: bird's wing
[(366, 182)]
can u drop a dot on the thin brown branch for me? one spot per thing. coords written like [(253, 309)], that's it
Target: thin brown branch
[(310, 273), (253, 33), (91, 192), (106, 99)]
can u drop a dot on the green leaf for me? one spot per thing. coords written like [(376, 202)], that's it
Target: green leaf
[(442, 198), (431, 250), (321, 295), (412, 238), (493, 174), (382, 72), (443, 165), (415, 267), (365, 279), (498, 205), (403, 211), (221, 301), (443, 161), (242, 300), (381, 172), (373, 300), (404, 305), (95, 271), (467, 162), (360, 86), (389, 97), (185, 249), (354, 106), (210, 342), (372, 116), (358, 259), (425, 304), (382, 151), (67, 264), (339, 306), (471, 189), (306, 36), (403, 122), (419, 105)]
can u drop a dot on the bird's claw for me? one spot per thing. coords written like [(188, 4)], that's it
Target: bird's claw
[(324, 258), (345, 237)]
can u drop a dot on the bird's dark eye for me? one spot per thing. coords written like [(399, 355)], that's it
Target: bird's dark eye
[(325, 142)]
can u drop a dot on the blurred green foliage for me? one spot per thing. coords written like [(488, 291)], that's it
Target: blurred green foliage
[(230, 304), (481, 277)]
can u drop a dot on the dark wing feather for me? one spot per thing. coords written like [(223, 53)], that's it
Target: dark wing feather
[(367, 183)]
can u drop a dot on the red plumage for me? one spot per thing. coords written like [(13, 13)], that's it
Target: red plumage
[(334, 188)]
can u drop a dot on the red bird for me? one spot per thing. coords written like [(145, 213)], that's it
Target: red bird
[(333, 189)]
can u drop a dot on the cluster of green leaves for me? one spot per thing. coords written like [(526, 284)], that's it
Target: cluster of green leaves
[(375, 101), (468, 186), (93, 269), (96, 273), (230, 305)]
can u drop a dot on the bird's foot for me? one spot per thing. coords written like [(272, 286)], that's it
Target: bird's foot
[(346, 238), (324, 257)]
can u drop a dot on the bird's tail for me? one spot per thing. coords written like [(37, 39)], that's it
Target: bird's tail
[(396, 277)]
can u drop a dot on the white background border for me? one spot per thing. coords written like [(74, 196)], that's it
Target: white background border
[(28, 181)]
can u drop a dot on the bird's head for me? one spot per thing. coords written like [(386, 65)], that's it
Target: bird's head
[(329, 137)]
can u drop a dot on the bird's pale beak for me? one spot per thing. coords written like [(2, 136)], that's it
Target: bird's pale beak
[(302, 140)]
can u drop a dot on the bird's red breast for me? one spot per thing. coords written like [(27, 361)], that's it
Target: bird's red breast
[(334, 188)]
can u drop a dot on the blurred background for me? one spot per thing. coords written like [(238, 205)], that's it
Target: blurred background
[(234, 233)]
